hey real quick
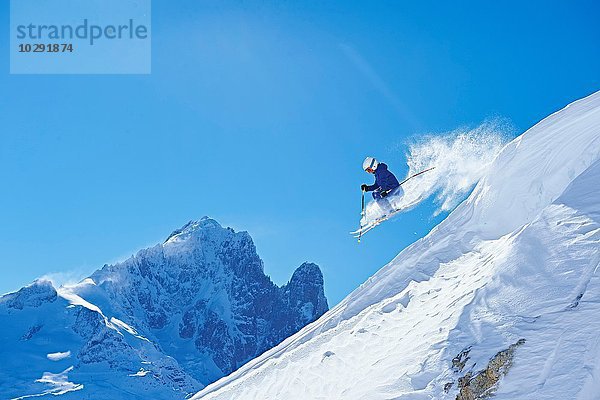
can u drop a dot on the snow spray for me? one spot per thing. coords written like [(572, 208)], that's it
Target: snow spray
[(460, 157)]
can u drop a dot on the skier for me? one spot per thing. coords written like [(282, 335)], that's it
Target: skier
[(385, 181), (386, 185)]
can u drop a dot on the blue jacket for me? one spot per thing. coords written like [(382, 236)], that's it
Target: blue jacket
[(384, 179)]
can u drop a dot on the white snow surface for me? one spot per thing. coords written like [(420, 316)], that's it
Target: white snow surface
[(517, 260), (59, 384), (61, 355)]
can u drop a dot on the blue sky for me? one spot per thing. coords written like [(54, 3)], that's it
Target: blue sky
[(259, 114)]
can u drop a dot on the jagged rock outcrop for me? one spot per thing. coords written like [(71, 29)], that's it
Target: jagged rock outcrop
[(482, 384), (207, 284)]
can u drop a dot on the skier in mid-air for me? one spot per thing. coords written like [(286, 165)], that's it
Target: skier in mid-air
[(386, 185), (385, 181)]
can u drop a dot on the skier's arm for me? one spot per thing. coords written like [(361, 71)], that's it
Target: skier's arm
[(372, 187)]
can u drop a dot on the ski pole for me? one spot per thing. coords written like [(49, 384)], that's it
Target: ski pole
[(362, 201), (362, 212), (417, 174)]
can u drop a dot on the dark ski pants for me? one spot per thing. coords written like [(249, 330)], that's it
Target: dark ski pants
[(383, 202)]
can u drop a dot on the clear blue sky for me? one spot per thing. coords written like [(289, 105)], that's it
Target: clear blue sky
[(259, 114)]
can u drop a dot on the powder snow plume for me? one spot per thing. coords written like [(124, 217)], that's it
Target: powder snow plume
[(460, 157)]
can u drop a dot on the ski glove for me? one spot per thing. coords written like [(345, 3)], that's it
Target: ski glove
[(383, 193), (363, 187)]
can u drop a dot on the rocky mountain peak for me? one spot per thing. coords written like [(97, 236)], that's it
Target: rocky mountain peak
[(163, 323), (194, 227), (305, 293), (37, 293), (308, 272)]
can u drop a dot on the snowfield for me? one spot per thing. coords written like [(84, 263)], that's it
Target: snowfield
[(502, 297)]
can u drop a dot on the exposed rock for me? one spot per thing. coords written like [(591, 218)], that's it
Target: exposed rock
[(31, 332), (458, 362), (485, 382)]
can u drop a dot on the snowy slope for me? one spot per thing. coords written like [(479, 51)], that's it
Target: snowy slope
[(159, 325), (55, 342), (503, 296)]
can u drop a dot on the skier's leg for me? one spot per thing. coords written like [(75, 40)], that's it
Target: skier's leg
[(397, 192), (382, 202), (385, 206), (394, 198)]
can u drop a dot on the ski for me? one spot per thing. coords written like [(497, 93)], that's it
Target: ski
[(359, 233), (364, 229), (373, 224)]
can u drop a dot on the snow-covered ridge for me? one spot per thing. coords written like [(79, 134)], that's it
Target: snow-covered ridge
[(511, 272), (161, 324), (33, 295), (192, 227)]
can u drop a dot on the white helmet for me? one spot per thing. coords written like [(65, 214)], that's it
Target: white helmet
[(370, 163)]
